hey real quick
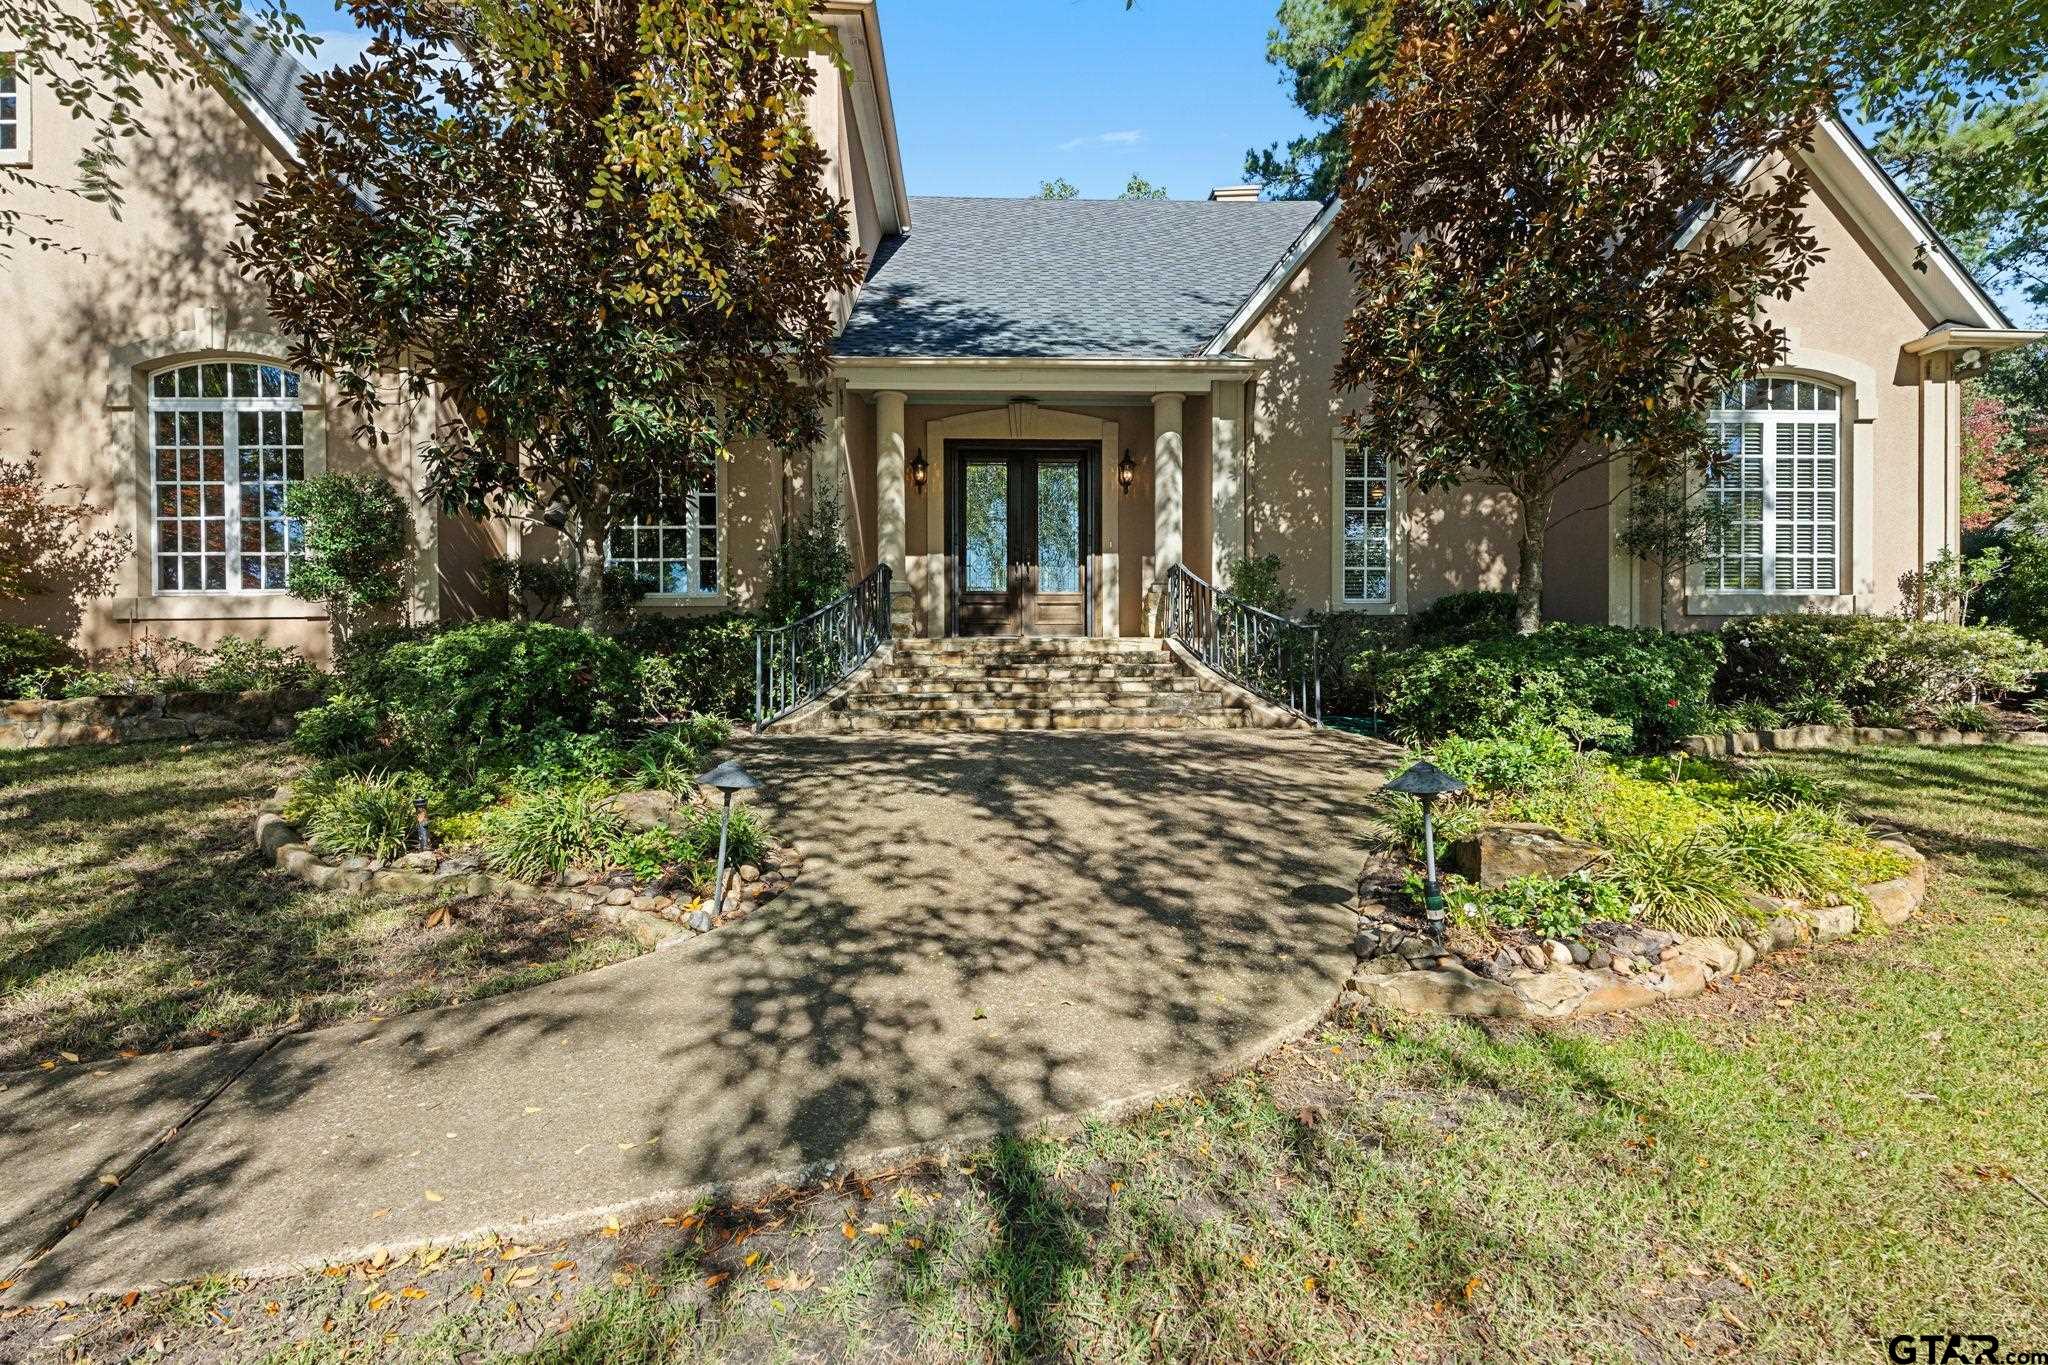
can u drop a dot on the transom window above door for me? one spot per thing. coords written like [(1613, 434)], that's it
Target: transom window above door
[(1779, 480), (226, 439)]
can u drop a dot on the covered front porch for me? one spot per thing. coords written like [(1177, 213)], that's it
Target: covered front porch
[(1039, 497)]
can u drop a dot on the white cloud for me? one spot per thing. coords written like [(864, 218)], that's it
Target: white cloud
[(1123, 137)]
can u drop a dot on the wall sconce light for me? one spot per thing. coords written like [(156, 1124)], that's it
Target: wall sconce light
[(919, 470), (1126, 471)]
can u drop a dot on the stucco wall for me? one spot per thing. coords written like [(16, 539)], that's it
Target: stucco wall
[(1853, 318), (147, 288)]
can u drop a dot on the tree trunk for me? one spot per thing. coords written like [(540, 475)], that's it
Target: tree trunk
[(1529, 580), (584, 539)]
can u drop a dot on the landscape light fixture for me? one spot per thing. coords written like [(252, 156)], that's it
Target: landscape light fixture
[(1126, 471), (422, 837), (1426, 782), (729, 779), (919, 470)]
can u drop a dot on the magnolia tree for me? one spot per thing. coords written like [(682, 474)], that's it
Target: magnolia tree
[(1560, 250), (597, 236)]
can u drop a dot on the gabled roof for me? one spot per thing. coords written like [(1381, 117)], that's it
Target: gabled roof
[(1049, 278), (264, 86), (1839, 162)]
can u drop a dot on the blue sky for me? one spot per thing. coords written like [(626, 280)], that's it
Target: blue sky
[(993, 97)]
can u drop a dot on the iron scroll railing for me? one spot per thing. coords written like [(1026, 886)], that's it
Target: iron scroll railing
[(796, 664), (1264, 653)]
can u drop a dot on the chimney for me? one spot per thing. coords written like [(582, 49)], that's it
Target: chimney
[(1234, 194)]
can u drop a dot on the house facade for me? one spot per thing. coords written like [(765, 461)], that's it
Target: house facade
[(1038, 408)]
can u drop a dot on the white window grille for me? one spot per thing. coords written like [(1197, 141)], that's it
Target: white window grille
[(678, 550), (1780, 478), (1367, 528), (14, 108), (226, 439)]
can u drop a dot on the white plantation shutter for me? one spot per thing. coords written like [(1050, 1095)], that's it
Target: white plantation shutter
[(1781, 477)]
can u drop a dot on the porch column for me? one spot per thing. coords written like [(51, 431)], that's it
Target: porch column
[(891, 515), (1168, 412), (1226, 462)]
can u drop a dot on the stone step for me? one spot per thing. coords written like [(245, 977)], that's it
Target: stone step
[(1023, 672), (986, 645), (888, 685), (1167, 704), (869, 722)]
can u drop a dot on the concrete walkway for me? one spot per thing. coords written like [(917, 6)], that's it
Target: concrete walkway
[(989, 932)]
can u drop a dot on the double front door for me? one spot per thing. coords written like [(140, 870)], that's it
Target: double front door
[(1021, 524)]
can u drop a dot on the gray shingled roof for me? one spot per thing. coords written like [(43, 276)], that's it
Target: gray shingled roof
[(1071, 277), (269, 77)]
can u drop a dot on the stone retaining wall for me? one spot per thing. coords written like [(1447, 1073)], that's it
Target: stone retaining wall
[(172, 715), (1794, 737), (1627, 969)]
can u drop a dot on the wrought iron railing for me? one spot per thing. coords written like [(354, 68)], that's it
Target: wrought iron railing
[(1261, 652), (796, 664)]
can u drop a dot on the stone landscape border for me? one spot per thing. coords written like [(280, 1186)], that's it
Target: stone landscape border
[(655, 919), (1410, 974), (126, 719), (1790, 738)]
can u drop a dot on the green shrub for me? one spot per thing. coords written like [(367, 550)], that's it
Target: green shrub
[(538, 590), (812, 566), (1351, 648), (548, 830), (237, 665), (1528, 760), (1461, 617), (1971, 718), (27, 653), (1257, 583), (694, 665), (1816, 708), (1654, 684), (671, 758), (1679, 882), (344, 724), (1883, 717), (354, 528), (1866, 663), (371, 814), (1400, 819), (359, 661), (692, 846), (1775, 852), (2018, 597), (1551, 907), (1769, 784), (467, 695)]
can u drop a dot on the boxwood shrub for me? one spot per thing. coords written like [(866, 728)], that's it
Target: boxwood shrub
[(467, 693), (1657, 685), (1869, 664)]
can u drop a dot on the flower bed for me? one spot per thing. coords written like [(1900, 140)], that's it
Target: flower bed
[(660, 905), (1585, 884)]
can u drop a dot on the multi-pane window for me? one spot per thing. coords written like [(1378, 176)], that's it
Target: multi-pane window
[(13, 118), (1367, 504), (677, 550), (1780, 479), (226, 439)]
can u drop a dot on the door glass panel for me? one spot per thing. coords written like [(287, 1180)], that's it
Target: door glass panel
[(1059, 527), (988, 526)]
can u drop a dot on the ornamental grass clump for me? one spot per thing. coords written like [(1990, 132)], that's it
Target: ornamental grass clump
[(369, 814), (1782, 788), (546, 831), (1679, 882)]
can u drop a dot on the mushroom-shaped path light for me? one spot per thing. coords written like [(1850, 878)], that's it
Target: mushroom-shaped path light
[(1426, 782)]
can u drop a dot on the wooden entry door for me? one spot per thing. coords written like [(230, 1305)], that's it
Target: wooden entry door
[(1021, 527)]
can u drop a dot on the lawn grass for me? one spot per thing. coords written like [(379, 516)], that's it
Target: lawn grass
[(136, 915), (1835, 1149)]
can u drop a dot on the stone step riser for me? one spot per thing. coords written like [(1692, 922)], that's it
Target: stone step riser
[(984, 648), (948, 723), (1000, 706), (986, 687), (1026, 673)]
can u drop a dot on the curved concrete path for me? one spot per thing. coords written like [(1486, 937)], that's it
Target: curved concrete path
[(989, 933)]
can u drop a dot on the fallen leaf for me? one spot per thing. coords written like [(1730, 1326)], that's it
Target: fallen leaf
[(110, 1179), (563, 1265), (713, 1281), (68, 1056), (620, 1279), (412, 1291), (523, 1277), (1010, 1315), (379, 1258), (128, 1299), (273, 1308), (327, 1326), (1308, 1284), (876, 1229), (128, 1054), (849, 1231), (610, 1228), (379, 1302), (1472, 1287), (914, 1243), (433, 1197), (752, 1257), (1251, 1262), (380, 1213)]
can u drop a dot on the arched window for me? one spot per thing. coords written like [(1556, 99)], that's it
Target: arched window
[(1780, 479), (226, 439)]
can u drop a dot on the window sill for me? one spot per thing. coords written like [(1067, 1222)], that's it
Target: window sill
[(1699, 603), (684, 599), (1369, 608), (221, 606)]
